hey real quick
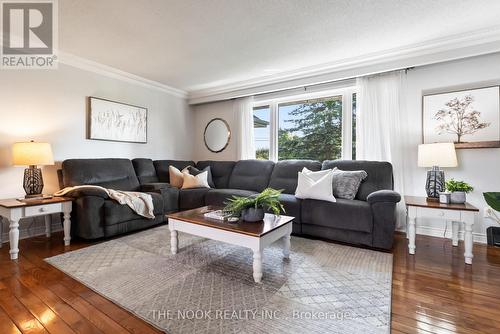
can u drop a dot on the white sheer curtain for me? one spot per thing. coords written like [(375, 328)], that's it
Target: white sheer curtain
[(243, 109), (381, 123)]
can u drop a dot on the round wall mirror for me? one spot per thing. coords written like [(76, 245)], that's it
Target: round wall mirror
[(217, 135)]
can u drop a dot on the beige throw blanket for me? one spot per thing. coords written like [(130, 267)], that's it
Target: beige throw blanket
[(141, 203)]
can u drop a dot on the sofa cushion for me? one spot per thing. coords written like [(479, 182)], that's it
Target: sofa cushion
[(115, 212), (251, 175), (292, 206), (118, 174), (154, 187), (192, 181), (195, 171), (145, 170), (379, 174), (221, 171), (219, 196), (353, 215), (175, 177), (285, 172), (161, 167), (346, 182), (192, 198)]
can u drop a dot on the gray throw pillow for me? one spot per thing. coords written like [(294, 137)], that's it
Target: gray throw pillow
[(195, 171), (346, 182)]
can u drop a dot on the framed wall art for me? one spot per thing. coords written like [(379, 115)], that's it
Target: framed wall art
[(470, 118), (115, 121)]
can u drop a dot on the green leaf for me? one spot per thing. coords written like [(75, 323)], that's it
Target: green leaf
[(493, 199), (267, 199)]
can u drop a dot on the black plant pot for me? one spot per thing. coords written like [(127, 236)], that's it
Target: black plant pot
[(252, 214)]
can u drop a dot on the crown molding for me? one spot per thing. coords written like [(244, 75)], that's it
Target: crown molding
[(111, 72), (450, 48)]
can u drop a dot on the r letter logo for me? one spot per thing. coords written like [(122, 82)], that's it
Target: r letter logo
[(29, 34)]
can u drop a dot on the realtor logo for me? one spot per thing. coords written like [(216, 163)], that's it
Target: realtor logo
[(29, 34)]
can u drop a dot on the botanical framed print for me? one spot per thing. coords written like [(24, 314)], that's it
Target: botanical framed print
[(469, 118), (115, 121)]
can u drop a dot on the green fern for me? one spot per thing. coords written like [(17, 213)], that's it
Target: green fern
[(267, 199)]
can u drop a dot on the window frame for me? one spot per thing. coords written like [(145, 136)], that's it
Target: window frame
[(273, 104)]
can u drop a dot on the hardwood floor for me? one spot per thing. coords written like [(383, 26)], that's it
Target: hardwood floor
[(433, 292)]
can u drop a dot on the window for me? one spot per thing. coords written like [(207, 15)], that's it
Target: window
[(310, 129), (262, 131), (319, 127)]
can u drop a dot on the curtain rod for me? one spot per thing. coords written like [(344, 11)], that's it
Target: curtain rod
[(305, 87)]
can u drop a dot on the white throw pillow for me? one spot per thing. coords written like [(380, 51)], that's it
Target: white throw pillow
[(195, 181), (316, 175), (315, 185)]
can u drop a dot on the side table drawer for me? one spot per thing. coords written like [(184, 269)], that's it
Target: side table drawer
[(438, 213), (42, 209)]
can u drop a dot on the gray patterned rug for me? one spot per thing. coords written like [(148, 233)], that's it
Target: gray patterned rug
[(208, 286)]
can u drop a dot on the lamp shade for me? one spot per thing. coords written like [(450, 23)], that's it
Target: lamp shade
[(438, 154), (32, 154)]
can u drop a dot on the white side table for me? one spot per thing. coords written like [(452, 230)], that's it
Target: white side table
[(419, 207), (14, 210)]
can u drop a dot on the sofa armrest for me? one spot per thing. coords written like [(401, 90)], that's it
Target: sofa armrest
[(383, 204), (154, 187), (383, 196), (94, 192)]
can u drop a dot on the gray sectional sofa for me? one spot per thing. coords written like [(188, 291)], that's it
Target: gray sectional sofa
[(367, 220)]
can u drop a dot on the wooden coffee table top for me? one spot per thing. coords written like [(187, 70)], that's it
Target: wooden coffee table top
[(257, 229)]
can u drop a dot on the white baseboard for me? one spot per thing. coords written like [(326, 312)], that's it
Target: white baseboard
[(479, 238)]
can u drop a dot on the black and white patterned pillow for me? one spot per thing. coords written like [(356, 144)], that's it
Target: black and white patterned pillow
[(346, 182)]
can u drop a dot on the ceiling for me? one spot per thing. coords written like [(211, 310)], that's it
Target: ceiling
[(201, 44)]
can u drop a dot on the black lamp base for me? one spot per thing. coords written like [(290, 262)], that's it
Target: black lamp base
[(33, 182), (435, 183)]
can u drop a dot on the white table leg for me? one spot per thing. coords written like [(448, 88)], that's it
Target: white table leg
[(48, 223), (468, 218), (412, 217), (67, 206), (173, 239), (455, 226), (286, 246), (257, 266), (14, 238)]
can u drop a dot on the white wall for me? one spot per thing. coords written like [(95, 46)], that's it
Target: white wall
[(203, 113), (50, 105), (480, 167)]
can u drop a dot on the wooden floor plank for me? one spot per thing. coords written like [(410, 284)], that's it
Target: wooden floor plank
[(121, 316), (6, 324), (35, 305), (94, 315), (19, 314), (72, 317)]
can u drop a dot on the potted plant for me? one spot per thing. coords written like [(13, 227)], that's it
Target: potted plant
[(252, 208), (493, 201), (458, 190)]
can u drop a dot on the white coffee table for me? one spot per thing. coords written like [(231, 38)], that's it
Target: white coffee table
[(255, 236)]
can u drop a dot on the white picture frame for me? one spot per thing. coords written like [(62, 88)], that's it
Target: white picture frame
[(470, 118), (115, 121)]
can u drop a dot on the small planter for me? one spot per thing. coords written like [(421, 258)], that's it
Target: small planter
[(458, 197), (252, 214)]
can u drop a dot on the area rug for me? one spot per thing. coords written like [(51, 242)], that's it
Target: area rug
[(208, 286)]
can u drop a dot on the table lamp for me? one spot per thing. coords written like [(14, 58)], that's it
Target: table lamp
[(435, 156), (32, 154)]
